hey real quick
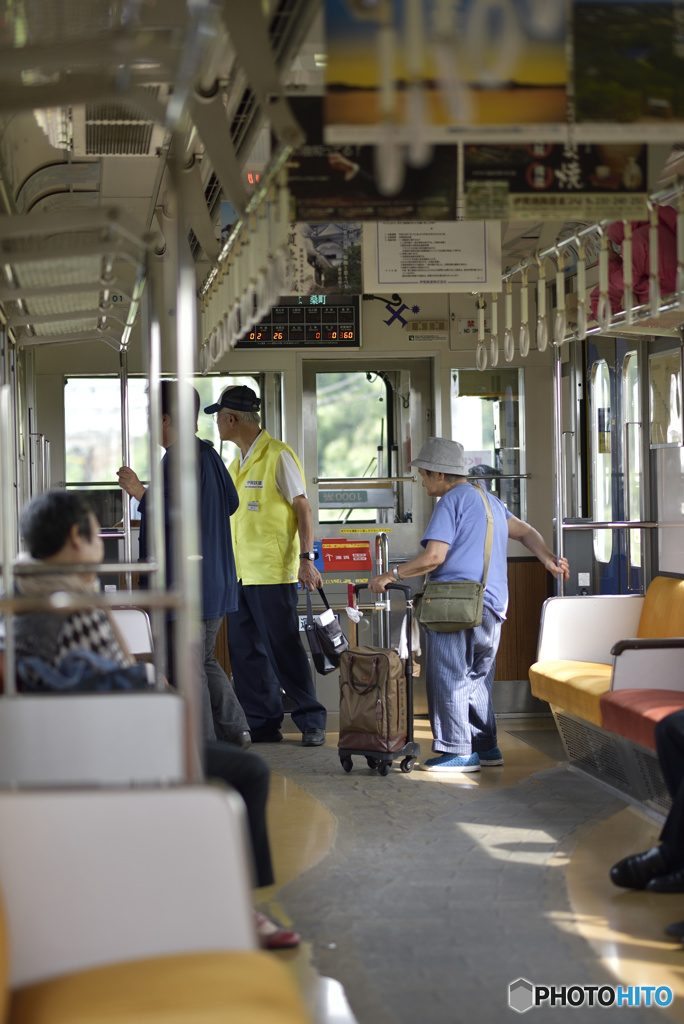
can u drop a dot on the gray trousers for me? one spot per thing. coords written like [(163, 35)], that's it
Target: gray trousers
[(460, 673), (222, 715)]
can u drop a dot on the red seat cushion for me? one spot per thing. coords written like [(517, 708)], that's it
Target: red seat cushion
[(634, 713)]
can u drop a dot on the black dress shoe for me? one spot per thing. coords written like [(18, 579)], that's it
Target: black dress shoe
[(637, 871), (674, 882), (676, 930), (313, 738)]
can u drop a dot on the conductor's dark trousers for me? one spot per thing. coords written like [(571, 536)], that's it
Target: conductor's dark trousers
[(266, 653)]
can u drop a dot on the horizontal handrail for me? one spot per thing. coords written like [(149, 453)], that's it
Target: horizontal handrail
[(630, 525), (65, 601), (363, 479), (54, 568)]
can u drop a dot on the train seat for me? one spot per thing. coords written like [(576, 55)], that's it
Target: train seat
[(205, 988), (134, 626), (91, 739), (634, 713), (135, 904), (575, 686), (583, 654)]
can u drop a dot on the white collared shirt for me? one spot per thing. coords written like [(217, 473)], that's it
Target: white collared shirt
[(289, 483)]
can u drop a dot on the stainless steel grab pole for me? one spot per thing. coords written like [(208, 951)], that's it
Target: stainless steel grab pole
[(382, 603), (7, 540)]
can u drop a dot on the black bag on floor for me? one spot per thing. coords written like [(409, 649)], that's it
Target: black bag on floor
[(326, 640)]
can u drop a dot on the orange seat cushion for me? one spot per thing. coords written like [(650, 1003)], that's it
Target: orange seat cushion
[(634, 714), (195, 988), (663, 611), (576, 686)]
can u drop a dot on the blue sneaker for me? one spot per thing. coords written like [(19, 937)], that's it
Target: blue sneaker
[(452, 763), (491, 757)]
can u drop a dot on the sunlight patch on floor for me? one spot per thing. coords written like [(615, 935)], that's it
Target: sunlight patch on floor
[(624, 927)]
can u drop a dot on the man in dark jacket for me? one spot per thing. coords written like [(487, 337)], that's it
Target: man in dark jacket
[(222, 716)]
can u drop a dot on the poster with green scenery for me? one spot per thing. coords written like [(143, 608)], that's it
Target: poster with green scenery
[(629, 67)]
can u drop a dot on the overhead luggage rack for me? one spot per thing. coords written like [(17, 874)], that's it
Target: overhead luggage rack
[(72, 277)]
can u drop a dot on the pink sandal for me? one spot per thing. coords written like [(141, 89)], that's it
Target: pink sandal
[(273, 937)]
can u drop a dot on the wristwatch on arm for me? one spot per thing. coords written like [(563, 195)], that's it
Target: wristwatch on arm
[(395, 572), (310, 555)]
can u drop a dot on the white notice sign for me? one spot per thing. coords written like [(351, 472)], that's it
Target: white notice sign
[(432, 256)]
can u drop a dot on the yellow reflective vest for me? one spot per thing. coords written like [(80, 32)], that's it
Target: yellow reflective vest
[(264, 528)]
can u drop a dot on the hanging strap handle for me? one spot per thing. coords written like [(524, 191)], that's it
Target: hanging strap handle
[(489, 536)]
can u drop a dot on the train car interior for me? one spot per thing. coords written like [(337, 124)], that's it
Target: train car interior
[(359, 210)]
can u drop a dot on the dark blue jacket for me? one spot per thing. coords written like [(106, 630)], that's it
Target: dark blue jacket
[(218, 500)]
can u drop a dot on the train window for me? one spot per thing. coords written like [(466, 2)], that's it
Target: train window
[(92, 433), (631, 403), (667, 416), (486, 418), (352, 413), (601, 452)]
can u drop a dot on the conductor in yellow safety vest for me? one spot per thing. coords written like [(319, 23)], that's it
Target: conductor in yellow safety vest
[(273, 545)]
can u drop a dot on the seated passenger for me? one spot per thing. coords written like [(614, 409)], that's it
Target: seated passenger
[(661, 869), (60, 528)]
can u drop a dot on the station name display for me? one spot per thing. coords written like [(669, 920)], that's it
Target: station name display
[(317, 321)]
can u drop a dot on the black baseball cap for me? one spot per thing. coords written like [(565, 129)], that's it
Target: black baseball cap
[(239, 397)]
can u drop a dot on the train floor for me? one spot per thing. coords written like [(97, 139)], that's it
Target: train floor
[(421, 898)]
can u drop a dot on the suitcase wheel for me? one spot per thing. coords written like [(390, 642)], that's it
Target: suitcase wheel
[(385, 767), (372, 762), (407, 764), (346, 763)]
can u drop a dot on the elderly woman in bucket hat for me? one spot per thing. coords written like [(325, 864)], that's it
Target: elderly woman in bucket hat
[(460, 665)]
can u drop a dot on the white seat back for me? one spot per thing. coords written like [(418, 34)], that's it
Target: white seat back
[(91, 739), (585, 628), (134, 626), (91, 877)]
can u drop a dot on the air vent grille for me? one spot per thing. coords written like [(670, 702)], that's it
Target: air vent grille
[(653, 781), (118, 139), (593, 751)]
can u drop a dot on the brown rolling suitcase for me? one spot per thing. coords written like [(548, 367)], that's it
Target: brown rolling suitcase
[(376, 704), (372, 700)]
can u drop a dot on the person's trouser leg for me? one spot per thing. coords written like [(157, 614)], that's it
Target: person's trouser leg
[(274, 609), (256, 683), (228, 720), (249, 775), (669, 735), (481, 711), (458, 683)]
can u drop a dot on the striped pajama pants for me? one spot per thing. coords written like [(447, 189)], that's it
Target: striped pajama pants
[(460, 673)]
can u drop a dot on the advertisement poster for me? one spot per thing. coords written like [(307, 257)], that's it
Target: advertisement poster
[(628, 66), (484, 63), (586, 181), (324, 259), (432, 257), (337, 183)]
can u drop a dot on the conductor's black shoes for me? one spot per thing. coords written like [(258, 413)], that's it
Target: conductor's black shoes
[(674, 882), (636, 872), (267, 734), (313, 738)]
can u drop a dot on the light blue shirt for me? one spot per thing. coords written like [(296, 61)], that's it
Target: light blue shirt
[(460, 520)]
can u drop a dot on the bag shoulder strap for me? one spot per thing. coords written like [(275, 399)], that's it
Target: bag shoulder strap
[(489, 536), (309, 609)]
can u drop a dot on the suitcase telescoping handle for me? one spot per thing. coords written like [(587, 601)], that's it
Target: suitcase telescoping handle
[(390, 586)]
